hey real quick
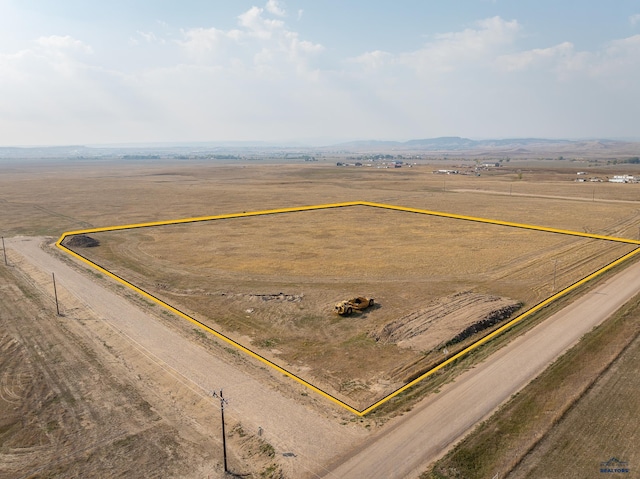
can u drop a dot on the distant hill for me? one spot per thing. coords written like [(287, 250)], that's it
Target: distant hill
[(452, 143), (446, 145), (508, 146)]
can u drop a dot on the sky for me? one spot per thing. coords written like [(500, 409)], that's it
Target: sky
[(316, 72)]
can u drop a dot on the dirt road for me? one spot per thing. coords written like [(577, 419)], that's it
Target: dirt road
[(532, 195), (311, 439), (423, 435)]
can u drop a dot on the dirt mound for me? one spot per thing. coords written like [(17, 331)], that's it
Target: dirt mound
[(80, 241), (447, 321), (278, 297)]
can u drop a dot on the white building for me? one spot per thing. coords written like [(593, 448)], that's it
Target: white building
[(623, 179)]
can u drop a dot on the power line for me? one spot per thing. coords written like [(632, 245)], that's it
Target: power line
[(55, 293), (223, 401)]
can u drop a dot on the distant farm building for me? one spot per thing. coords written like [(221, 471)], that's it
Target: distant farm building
[(623, 179)]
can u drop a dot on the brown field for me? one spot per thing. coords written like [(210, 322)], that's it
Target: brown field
[(51, 198), (67, 410), (602, 426), (81, 421), (270, 282)]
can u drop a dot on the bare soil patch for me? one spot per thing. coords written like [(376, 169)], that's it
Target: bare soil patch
[(447, 321)]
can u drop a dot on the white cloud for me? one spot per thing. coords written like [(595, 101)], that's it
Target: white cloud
[(448, 52), (483, 69), (273, 7), (238, 83), (52, 92), (614, 61), (59, 43), (629, 46), (533, 58), (618, 62), (150, 37), (146, 38), (265, 42), (473, 45), (373, 60), (259, 26), (204, 43), (634, 19)]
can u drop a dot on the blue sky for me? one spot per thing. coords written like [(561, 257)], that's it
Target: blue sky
[(96, 72)]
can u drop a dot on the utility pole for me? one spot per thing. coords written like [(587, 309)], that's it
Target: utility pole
[(4, 251), (224, 439), (55, 293)]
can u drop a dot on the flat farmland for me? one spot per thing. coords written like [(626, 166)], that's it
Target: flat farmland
[(53, 197), (357, 358), (269, 282)]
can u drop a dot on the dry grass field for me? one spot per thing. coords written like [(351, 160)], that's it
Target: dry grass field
[(602, 426), (270, 283), (387, 256), (53, 197)]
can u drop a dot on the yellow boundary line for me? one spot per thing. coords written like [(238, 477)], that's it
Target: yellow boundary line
[(251, 353)]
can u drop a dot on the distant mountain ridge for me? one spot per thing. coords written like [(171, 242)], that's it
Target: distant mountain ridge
[(512, 147), (517, 147), (455, 143)]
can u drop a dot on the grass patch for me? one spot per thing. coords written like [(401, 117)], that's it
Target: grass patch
[(52, 426), (28, 293), (124, 442), (268, 343), (267, 449), (200, 333), (272, 471)]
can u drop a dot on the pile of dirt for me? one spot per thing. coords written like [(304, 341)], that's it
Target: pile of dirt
[(447, 321), (293, 298), (278, 297), (80, 241)]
